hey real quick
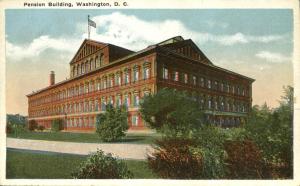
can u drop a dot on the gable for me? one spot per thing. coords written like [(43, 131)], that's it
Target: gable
[(189, 49), (87, 47)]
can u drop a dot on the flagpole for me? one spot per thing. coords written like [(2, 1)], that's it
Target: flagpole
[(88, 27)]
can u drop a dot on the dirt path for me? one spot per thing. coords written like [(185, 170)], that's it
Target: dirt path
[(121, 150)]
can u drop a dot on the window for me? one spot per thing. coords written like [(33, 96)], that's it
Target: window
[(127, 77), (126, 100), (208, 84), (117, 79), (146, 73), (118, 101), (202, 82), (194, 80), (186, 78), (86, 88), (222, 87), (111, 100), (209, 103), (103, 104), (165, 73), (136, 74), (135, 120), (98, 84), (111, 81), (104, 83), (82, 69), (176, 76), (91, 106), (91, 86), (216, 85), (146, 92), (136, 100), (96, 105)]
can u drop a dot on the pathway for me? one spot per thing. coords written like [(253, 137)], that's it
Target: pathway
[(121, 150)]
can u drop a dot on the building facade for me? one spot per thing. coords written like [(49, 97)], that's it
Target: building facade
[(102, 73)]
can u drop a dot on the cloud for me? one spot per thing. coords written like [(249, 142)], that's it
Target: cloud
[(130, 32), (272, 57), (134, 33), (37, 46)]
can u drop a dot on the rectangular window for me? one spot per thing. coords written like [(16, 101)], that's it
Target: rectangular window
[(176, 76), (126, 77), (208, 84), (146, 73), (136, 100), (126, 101), (165, 73), (136, 75), (135, 120), (202, 82), (186, 78), (194, 80)]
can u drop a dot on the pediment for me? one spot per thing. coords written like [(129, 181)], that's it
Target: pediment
[(189, 49), (87, 47)]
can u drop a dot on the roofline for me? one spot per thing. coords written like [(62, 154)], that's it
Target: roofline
[(209, 65), (134, 55), (83, 75)]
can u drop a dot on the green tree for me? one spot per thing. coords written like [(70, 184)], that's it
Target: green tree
[(171, 112), (57, 125), (112, 124), (272, 130)]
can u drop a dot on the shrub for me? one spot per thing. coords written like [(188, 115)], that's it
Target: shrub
[(173, 159), (210, 144), (244, 160), (57, 125), (40, 128), (32, 125), (102, 166), (111, 125), (8, 128)]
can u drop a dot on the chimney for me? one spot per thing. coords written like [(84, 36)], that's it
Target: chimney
[(52, 78)]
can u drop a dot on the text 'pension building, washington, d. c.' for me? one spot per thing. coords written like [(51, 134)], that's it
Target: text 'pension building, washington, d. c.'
[(103, 73)]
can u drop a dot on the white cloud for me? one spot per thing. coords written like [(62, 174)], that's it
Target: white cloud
[(38, 45), (272, 57), (130, 32)]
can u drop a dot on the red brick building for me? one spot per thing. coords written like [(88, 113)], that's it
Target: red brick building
[(102, 73)]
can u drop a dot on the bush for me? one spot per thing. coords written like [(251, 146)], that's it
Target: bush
[(32, 125), (210, 141), (111, 125), (173, 159), (8, 129), (57, 125), (40, 128), (244, 160), (102, 166)]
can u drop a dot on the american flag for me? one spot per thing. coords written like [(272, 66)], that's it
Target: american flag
[(91, 23)]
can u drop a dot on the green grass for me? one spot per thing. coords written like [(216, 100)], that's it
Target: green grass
[(30, 165), (84, 137)]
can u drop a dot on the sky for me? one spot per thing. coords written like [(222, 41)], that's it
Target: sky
[(257, 43)]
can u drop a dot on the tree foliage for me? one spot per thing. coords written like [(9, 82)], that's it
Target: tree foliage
[(112, 124), (57, 125), (174, 159), (171, 112), (272, 130), (102, 166)]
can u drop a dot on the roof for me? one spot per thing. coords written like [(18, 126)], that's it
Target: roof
[(161, 45)]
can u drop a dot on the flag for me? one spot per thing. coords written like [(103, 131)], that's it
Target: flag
[(91, 23)]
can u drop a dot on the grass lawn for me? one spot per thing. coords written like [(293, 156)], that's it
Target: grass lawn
[(31, 164), (138, 138)]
